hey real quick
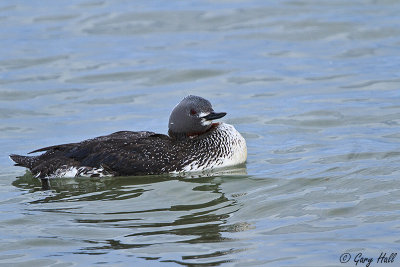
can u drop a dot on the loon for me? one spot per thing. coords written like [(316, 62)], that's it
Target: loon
[(194, 143)]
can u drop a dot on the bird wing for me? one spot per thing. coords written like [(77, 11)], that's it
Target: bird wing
[(121, 153)]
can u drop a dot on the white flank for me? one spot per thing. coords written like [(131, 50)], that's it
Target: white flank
[(71, 172)]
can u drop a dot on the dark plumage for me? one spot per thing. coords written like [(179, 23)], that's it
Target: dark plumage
[(192, 137)]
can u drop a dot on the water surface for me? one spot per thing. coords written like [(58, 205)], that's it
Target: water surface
[(313, 86)]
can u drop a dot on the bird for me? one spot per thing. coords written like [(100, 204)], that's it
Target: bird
[(194, 143)]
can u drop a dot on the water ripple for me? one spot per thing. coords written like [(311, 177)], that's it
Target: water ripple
[(312, 85)]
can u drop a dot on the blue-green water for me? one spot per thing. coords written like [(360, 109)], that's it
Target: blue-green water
[(313, 86)]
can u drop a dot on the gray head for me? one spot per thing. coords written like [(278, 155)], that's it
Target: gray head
[(193, 115)]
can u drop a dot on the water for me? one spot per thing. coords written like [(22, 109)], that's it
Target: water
[(313, 86)]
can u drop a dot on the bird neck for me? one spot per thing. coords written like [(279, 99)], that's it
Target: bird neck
[(191, 135)]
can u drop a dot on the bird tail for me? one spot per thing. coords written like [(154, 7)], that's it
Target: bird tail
[(24, 161)]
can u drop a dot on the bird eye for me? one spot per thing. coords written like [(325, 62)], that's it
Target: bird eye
[(193, 112)]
